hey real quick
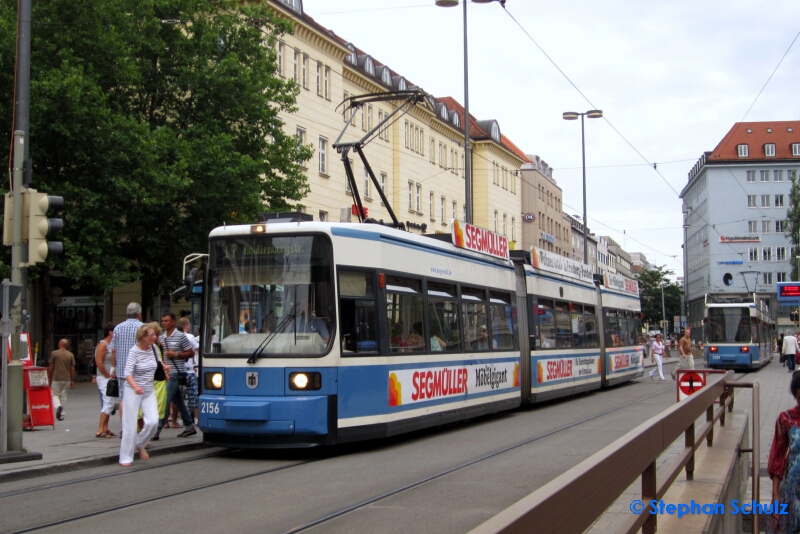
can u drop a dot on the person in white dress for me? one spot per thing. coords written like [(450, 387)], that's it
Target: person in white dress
[(657, 355)]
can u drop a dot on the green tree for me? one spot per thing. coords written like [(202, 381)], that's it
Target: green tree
[(651, 282), (793, 221), (156, 120)]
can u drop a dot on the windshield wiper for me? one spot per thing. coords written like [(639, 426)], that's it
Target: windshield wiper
[(262, 347)]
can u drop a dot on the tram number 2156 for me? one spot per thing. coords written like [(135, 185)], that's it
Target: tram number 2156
[(209, 407)]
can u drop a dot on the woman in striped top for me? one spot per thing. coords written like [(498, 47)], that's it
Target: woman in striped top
[(140, 368)]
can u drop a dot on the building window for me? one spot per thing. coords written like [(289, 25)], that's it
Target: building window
[(305, 71), (296, 72), (443, 215), (781, 277), (367, 193), (410, 195), (742, 150), (779, 227), (323, 216), (505, 223), (495, 221), (780, 253), (405, 133), (430, 205), (751, 176), (752, 227), (463, 167), (752, 253), (766, 227), (767, 279), (323, 155), (280, 58), (383, 182), (363, 119), (513, 179), (380, 120), (778, 201), (764, 176), (301, 137), (751, 201), (766, 254), (328, 83), (419, 198), (464, 211), (433, 150), (765, 201), (319, 78), (369, 116), (777, 176), (795, 149), (513, 228), (769, 150), (344, 107), (455, 210)]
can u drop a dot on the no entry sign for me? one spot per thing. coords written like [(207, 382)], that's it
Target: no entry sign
[(690, 382)]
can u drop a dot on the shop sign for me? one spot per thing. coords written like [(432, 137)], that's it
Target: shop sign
[(555, 263), (478, 239)]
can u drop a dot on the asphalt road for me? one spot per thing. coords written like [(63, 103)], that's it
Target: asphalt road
[(447, 480)]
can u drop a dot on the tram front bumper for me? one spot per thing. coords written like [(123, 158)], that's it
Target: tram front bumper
[(276, 416)]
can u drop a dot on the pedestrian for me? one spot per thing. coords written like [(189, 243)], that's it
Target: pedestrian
[(62, 376), (789, 350), (191, 367), (102, 357), (656, 355), (124, 339), (780, 350), (177, 350), (685, 348), (140, 368), (784, 466)]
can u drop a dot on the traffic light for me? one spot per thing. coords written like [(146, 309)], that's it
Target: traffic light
[(37, 228)]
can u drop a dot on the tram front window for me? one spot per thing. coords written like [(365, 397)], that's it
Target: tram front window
[(729, 325), (270, 295)]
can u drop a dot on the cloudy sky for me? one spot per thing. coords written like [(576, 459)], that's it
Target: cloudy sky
[(671, 78)]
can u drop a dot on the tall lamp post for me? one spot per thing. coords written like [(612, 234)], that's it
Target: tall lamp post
[(686, 213), (467, 154), (571, 116)]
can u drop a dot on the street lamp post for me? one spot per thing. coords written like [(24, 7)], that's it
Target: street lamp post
[(571, 116), (686, 213), (467, 154)]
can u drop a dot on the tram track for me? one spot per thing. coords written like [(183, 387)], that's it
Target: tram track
[(328, 517)]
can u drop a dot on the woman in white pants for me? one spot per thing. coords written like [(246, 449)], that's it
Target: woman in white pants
[(140, 368), (656, 354)]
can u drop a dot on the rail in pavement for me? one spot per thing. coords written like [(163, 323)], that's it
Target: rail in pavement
[(72, 444)]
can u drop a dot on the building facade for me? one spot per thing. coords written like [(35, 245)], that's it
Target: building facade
[(541, 197), (735, 206)]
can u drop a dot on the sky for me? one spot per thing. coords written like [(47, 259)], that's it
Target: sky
[(671, 78)]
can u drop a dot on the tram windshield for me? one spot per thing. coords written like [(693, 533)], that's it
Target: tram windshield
[(270, 295), (729, 325)]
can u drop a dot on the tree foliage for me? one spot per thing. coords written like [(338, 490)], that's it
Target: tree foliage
[(156, 120), (650, 283), (793, 220)]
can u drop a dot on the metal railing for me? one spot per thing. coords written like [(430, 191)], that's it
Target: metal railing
[(575, 500)]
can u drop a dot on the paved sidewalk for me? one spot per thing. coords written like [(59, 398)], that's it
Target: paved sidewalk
[(72, 444)]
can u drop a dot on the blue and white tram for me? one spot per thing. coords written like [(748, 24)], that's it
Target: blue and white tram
[(739, 334), (324, 333)]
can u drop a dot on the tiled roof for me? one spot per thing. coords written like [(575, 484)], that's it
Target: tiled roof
[(755, 135)]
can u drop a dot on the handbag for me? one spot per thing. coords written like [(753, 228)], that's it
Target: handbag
[(112, 388), (183, 380), (159, 375)]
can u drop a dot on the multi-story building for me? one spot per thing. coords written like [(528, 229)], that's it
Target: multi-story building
[(735, 205), (620, 258), (639, 263), (605, 261), (576, 238), (541, 197)]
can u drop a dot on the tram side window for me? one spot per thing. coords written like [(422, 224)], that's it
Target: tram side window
[(563, 326), (625, 327), (754, 330), (638, 330), (502, 322), (443, 317), (591, 339), (404, 310), (474, 317), (612, 329), (357, 312), (547, 324), (576, 322)]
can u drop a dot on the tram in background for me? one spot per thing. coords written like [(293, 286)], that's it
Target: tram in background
[(739, 333), (322, 333)]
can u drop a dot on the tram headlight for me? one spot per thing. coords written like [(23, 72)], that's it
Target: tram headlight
[(213, 380), (305, 381)]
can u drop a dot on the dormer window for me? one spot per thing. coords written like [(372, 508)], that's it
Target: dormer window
[(769, 150), (386, 76), (443, 112), (496, 131), (432, 101), (352, 58), (795, 149), (455, 120), (743, 151), (369, 66), (296, 5), (399, 83)]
